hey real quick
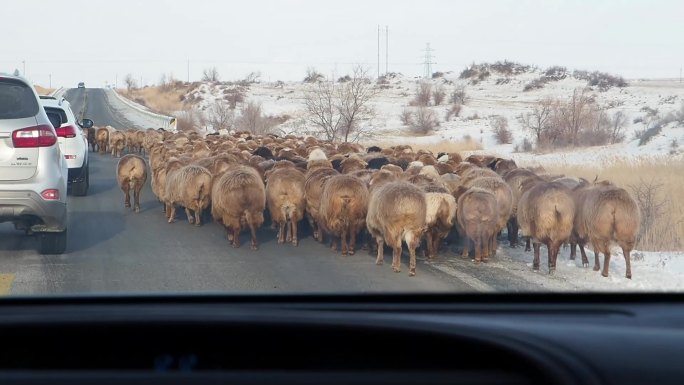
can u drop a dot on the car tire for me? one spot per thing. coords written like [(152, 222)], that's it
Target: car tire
[(80, 189), (53, 243)]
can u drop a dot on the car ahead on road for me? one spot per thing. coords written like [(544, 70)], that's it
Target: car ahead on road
[(33, 171), (81, 85), (73, 141)]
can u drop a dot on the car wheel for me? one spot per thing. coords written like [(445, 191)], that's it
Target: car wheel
[(80, 189), (53, 243)]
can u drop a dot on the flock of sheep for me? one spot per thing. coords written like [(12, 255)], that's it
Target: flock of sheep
[(394, 195)]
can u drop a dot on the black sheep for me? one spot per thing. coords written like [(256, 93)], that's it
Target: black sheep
[(263, 152), (373, 149), (376, 163)]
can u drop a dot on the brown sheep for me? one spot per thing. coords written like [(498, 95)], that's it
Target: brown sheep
[(313, 189), (607, 213), (131, 140), (92, 138), (504, 200), (393, 168), (352, 163), (286, 200), (439, 216), (515, 179), (396, 213), (344, 205), (131, 174), (480, 160), (117, 142), (140, 141), (239, 197), (546, 213), (477, 215), (382, 177), (190, 187), (102, 139), (503, 166)]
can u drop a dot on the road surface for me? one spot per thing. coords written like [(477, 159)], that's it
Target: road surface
[(113, 249)]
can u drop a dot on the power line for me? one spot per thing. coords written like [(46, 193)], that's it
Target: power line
[(427, 63)]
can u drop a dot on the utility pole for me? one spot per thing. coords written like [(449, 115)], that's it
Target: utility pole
[(428, 61), (188, 70), (386, 50), (378, 51), (50, 86)]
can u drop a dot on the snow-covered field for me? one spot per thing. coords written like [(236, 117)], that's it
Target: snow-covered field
[(487, 99)]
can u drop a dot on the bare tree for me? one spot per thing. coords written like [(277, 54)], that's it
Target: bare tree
[(577, 113), (424, 121), (438, 95), (538, 120), (253, 120), (210, 74), (339, 109), (459, 95), (221, 116), (423, 94), (313, 76), (617, 125), (130, 82)]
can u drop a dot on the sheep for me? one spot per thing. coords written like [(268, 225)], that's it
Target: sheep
[(480, 160), (439, 216), (396, 212), (140, 141), (317, 159), (607, 213), (504, 200), (503, 166), (239, 197), (343, 209), (117, 142), (313, 189), (515, 179), (102, 139), (377, 162), (131, 174), (546, 213), (463, 167), (393, 168), (285, 199), (92, 138), (189, 186), (131, 140), (352, 163), (374, 149), (477, 215)]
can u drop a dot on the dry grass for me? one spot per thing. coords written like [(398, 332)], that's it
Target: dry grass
[(42, 90), (464, 145), (165, 101), (667, 231)]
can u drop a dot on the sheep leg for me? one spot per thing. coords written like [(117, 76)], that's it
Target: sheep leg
[(412, 244), (428, 244), (380, 259), (136, 197), (478, 249), (343, 241), (188, 214), (573, 250), (466, 249), (628, 263), (281, 232), (252, 230), (198, 215), (396, 258), (352, 241), (527, 244), (171, 209), (535, 261), (293, 227), (606, 262), (288, 230), (127, 194), (585, 260), (513, 232), (552, 250), (597, 263)]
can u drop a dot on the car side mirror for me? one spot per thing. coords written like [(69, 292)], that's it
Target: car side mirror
[(86, 123)]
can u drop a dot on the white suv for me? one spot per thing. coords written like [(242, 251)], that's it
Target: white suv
[(73, 141), (33, 171)]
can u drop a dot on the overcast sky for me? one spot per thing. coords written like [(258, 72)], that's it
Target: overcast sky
[(94, 41)]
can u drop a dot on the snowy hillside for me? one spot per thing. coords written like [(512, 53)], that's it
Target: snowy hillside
[(496, 95)]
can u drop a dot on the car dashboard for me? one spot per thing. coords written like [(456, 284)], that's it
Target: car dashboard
[(409, 339)]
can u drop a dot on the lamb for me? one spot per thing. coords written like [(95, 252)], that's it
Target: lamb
[(239, 197), (396, 212), (546, 213), (117, 142), (313, 189), (439, 217), (189, 186), (477, 215), (343, 209), (102, 139), (607, 213), (131, 174), (286, 200)]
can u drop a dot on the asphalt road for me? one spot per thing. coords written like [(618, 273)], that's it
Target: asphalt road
[(113, 249)]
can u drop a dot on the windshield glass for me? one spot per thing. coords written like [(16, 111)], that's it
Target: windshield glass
[(356, 147)]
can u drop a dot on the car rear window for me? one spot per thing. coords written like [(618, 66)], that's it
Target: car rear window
[(17, 100)]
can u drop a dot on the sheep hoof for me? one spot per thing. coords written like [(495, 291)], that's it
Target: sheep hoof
[(254, 247), (412, 273), (552, 271), (380, 262), (535, 268), (604, 274), (628, 276), (344, 253), (127, 205), (171, 220), (198, 224), (191, 220), (351, 252), (396, 269), (295, 242), (280, 241), (585, 265), (137, 209), (597, 268)]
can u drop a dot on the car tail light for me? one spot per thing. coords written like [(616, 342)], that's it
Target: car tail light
[(36, 136), (51, 194), (67, 131)]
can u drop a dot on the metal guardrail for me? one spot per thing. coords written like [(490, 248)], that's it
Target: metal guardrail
[(165, 122)]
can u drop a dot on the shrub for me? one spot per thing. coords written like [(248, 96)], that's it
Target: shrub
[(313, 76), (527, 145), (423, 94), (459, 95), (406, 117), (555, 73), (438, 95), (252, 119), (453, 111), (648, 134), (534, 85), (438, 74), (501, 132), (344, 79), (424, 121)]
